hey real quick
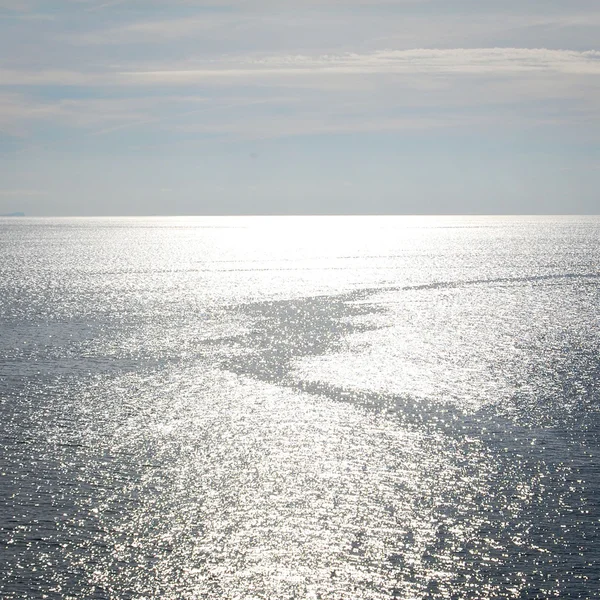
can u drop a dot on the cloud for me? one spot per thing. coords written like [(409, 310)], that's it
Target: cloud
[(378, 91), (477, 61), (65, 77), (458, 61), (343, 25), (154, 31), (297, 94), (91, 113), (270, 127)]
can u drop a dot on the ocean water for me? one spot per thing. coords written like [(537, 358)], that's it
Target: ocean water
[(343, 408)]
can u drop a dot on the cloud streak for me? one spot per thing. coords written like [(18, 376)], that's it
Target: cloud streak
[(478, 61), (352, 92), (459, 61)]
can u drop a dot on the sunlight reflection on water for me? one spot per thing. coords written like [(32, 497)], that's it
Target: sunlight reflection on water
[(337, 408)]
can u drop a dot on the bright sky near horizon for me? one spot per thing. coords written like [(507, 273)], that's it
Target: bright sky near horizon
[(127, 107)]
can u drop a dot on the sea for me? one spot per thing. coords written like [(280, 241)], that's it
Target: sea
[(340, 408)]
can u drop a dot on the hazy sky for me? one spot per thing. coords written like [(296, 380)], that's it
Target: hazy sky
[(299, 106)]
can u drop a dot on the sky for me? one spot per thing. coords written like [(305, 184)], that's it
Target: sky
[(188, 107)]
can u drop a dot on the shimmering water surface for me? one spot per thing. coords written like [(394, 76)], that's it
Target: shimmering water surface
[(271, 408)]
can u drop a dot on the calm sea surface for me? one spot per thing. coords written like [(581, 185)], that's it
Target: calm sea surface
[(343, 408)]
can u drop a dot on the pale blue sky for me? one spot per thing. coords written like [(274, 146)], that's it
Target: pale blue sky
[(354, 106)]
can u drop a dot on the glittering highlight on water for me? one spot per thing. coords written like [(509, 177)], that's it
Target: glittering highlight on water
[(321, 407)]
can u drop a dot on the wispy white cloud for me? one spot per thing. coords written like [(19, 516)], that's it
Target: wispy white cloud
[(458, 61), (51, 77), (156, 31), (379, 117), (20, 114), (327, 25), (19, 109), (380, 91), (479, 61), (87, 79)]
